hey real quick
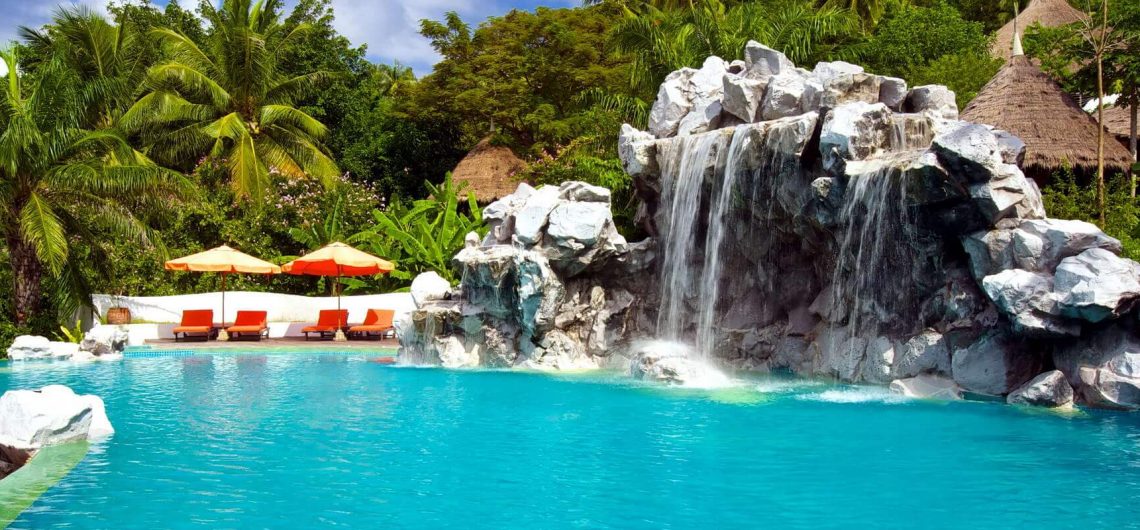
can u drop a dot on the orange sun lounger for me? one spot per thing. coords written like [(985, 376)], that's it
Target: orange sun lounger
[(328, 321), (195, 323), (377, 323), (249, 323)]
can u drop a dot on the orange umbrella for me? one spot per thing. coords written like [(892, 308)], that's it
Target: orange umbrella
[(224, 260), (338, 259)]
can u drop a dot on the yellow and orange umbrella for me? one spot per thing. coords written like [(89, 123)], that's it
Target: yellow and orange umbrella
[(338, 259), (223, 260)]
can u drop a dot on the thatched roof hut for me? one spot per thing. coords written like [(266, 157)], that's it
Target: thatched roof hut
[(1116, 121), (1048, 13), (1025, 101), (489, 171)]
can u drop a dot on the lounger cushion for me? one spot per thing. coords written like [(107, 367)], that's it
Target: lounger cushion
[(246, 329), (193, 329), (362, 329), (316, 329)]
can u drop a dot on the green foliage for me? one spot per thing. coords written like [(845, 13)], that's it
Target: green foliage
[(73, 334), (230, 99), (1066, 199), (660, 41), (964, 73), (913, 37), (420, 238)]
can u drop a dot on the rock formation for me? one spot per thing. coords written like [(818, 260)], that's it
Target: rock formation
[(830, 223), (835, 223), (552, 286), (32, 419), (101, 342)]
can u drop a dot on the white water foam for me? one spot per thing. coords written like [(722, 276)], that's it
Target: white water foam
[(862, 394)]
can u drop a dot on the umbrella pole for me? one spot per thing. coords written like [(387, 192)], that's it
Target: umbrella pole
[(222, 334), (339, 337)]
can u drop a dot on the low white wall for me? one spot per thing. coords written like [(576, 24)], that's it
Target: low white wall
[(158, 315)]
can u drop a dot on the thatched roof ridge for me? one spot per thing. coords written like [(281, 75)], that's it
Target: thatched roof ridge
[(1048, 13), (489, 171), (1025, 101)]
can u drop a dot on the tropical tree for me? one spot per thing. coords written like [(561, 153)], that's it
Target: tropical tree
[(63, 183), (424, 236), (663, 40), (229, 100)]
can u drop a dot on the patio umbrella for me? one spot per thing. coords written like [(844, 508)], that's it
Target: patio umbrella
[(338, 259), (223, 260)]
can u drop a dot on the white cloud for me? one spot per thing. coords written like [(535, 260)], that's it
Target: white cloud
[(390, 28)]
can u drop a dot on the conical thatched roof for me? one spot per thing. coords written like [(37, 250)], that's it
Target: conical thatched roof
[(489, 171), (1025, 101), (1048, 13)]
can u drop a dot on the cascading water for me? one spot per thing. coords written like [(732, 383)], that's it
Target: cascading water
[(873, 251), (682, 178), (711, 272)]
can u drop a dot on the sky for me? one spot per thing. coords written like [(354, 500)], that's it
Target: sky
[(388, 27)]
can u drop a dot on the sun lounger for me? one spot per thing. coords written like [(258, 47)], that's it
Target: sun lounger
[(195, 323), (377, 323), (328, 322), (249, 323)]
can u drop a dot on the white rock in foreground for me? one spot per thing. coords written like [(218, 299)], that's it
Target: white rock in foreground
[(1049, 389), (666, 362), (429, 286), (53, 415)]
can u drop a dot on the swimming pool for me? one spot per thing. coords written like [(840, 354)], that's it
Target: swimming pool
[(307, 440)]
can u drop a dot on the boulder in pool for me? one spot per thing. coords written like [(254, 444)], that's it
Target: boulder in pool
[(32, 347), (1049, 389), (31, 419), (428, 287), (927, 386)]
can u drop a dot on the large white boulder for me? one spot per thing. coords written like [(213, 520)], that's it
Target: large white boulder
[(854, 131), (782, 99), (762, 62), (582, 222), (1096, 285), (936, 100), (1104, 368), (27, 347), (743, 96), (637, 151), (673, 103), (52, 415), (531, 218), (428, 287)]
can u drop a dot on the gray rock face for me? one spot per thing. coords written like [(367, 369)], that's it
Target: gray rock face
[(783, 96), (637, 152), (934, 99), (673, 103), (762, 62), (743, 96), (1104, 368), (892, 93), (853, 132), (925, 353), (993, 365), (1049, 389)]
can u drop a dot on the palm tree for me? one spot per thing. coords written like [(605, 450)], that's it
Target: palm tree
[(61, 183), (663, 40), (109, 59), (392, 78), (228, 100)]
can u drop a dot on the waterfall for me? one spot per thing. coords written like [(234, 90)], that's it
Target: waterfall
[(873, 250), (682, 175), (712, 270)]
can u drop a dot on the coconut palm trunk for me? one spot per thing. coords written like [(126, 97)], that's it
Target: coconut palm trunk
[(27, 272)]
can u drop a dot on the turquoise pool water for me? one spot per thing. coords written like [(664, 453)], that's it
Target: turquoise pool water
[(307, 441)]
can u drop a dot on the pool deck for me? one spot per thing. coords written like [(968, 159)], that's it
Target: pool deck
[(384, 345)]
